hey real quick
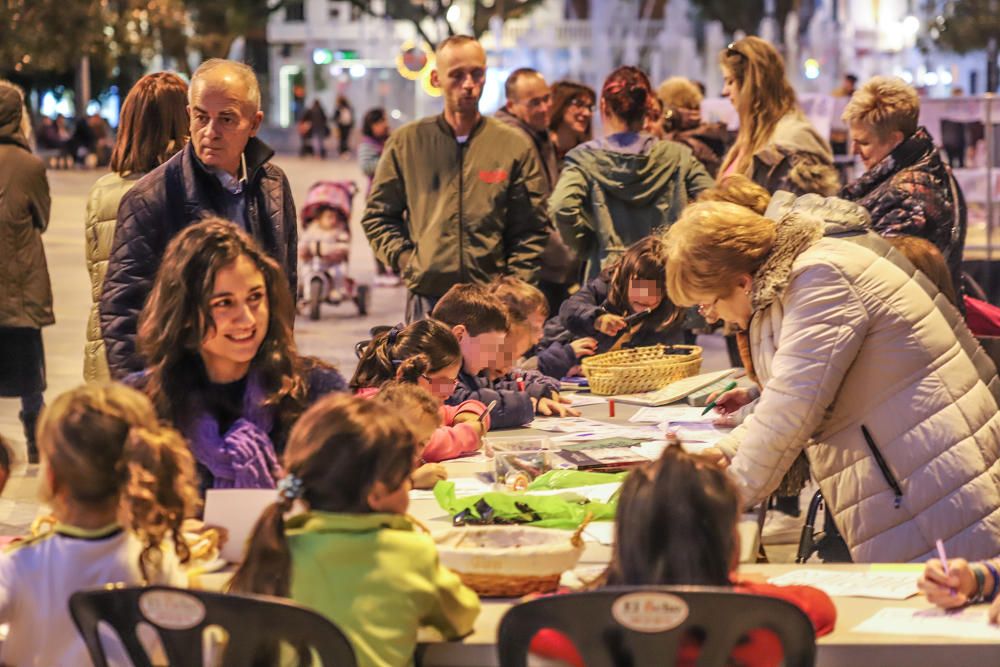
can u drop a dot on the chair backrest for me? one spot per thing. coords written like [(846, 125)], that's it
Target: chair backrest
[(180, 617), (629, 627)]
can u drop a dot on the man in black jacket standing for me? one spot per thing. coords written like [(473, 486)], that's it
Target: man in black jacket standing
[(224, 170)]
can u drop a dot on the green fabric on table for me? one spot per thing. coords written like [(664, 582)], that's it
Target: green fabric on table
[(523, 508), (565, 479)]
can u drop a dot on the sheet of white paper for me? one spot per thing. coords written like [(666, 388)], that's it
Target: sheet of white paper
[(464, 486), (237, 511), (600, 531), (668, 413), (566, 424), (696, 432), (968, 623), (881, 585), (579, 400)]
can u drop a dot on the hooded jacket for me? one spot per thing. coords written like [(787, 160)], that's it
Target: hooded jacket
[(176, 195), (912, 191), (468, 212), (870, 371), (796, 159), (25, 291), (615, 191)]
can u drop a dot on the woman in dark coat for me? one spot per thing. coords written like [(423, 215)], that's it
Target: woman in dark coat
[(25, 292)]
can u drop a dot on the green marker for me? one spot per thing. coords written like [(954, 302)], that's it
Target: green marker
[(708, 408)]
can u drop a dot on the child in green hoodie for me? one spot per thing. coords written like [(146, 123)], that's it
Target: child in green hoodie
[(353, 555)]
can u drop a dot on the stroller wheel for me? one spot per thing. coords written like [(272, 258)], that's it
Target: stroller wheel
[(315, 298), (363, 299)]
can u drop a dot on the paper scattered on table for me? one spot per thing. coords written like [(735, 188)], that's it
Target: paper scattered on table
[(700, 432), (464, 486), (968, 623), (669, 413), (676, 390), (566, 424), (841, 583), (580, 400), (602, 532)]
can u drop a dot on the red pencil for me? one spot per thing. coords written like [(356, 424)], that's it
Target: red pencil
[(611, 407)]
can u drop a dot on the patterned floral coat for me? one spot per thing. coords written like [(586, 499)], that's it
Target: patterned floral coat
[(912, 191)]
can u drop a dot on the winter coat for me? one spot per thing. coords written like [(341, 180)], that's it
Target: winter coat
[(175, 195), (615, 191), (796, 159), (559, 264), (99, 232), (513, 406), (25, 291), (450, 440), (912, 191), (870, 371), (468, 212), (579, 312)]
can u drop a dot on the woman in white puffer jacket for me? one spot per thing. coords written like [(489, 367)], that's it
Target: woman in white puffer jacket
[(863, 367)]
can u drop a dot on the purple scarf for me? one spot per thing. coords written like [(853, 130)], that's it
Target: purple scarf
[(243, 457)]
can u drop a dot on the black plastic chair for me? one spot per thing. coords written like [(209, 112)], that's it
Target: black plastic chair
[(254, 625), (633, 627)]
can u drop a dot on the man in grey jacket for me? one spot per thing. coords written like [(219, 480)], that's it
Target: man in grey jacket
[(457, 197)]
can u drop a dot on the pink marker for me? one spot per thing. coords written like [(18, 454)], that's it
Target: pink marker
[(944, 561)]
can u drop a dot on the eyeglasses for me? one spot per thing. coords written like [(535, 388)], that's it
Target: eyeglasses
[(705, 308), (442, 383), (581, 103), (732, 50)]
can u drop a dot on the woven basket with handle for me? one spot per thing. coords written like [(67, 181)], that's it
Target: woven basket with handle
[(640, 369)]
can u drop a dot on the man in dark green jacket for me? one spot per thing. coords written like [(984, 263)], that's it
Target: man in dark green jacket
[(457, 197)]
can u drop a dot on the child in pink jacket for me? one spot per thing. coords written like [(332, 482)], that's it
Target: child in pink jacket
[(427, 354)]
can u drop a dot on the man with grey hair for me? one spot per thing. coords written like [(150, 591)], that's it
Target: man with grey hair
[(224, 170)]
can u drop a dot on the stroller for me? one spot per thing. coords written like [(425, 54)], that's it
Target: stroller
[(324, 249)]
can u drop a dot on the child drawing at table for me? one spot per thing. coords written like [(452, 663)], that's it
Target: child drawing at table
[(633, 287), (963, 583), (481, 323), (353, 555), (528, 309), (676, 524), (119, 484), (427, 354), (422, 412)]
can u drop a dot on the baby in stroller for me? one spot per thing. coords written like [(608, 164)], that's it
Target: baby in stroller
[(325, 248)]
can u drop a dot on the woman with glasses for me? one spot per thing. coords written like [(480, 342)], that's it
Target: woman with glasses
[(776, 145), (886, 394), (614, 191), (571, 115)]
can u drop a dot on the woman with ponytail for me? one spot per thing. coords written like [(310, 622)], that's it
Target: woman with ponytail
[(353, 555), (427, 354), (119, 484), (616, 190)]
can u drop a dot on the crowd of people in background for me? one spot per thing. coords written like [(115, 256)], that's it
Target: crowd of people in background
[(525, 244)]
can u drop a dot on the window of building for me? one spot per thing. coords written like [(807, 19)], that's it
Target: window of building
[(295, 11)]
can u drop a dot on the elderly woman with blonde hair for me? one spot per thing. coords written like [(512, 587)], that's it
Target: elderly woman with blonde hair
[(884, 391), (907, 187)]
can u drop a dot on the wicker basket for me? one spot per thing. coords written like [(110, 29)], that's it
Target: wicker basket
[(640, 369), (508, 561)]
